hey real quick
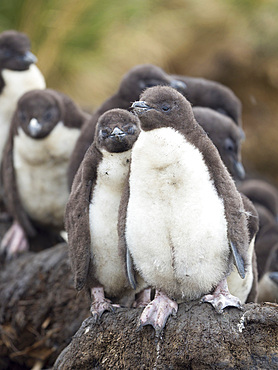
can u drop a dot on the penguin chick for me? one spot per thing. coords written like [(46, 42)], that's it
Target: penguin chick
[(92, 211), (268, 284), (18, 74), (181, 218), (261, 192), (225, 135), (133, 83), (206, 93), (43, 132)]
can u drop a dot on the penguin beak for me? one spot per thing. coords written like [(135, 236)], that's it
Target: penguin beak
[(117, 134), (29, 58), (178, 85), (239, 169), (140, 106), (34, 127)]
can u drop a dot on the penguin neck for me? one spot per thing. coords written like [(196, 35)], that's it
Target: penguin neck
[(54, 148), (18, 82), (113, 168)]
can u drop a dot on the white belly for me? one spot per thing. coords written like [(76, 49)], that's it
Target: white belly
[(16, 84), (41, 173), (176, 228), (109, 270)]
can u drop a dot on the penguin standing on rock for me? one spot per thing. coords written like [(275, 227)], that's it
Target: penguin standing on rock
[(44, 129), (92, 211), (18, 74), (181, 221), (133, 83)]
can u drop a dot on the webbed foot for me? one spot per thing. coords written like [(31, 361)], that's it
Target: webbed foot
[(100, 304), (14, 242), (157, 311), (222, 298)]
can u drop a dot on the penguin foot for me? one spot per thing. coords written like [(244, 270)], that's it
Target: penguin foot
[(221, 298), (157, 312), (143, 298), (14, 242), (100, 304)]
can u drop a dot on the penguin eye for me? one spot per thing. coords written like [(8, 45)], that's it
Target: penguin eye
[(165, 107), (222, 111), (129, 129), (48, 115), (22, 116), (229, 145), (105, 133)]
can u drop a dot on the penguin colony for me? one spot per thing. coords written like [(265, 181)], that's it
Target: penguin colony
[(150, 189)]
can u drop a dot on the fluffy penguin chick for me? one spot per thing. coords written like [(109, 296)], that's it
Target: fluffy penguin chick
[(206, 93), (92, 210), (18, 74), (44, 130), (225, 135), (183, 221), (133, 83)]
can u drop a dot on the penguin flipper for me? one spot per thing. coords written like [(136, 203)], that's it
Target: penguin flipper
[(130, 270), (123, 247), (8, 181), (77, 217), (238, 260)]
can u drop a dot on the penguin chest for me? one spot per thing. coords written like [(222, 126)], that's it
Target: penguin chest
[(16, 84), (41, 173), (103, 216), (176, 229)]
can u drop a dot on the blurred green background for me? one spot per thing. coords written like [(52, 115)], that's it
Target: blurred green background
[(85, 46)]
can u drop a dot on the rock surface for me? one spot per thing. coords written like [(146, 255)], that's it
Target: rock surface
[(198, 338)]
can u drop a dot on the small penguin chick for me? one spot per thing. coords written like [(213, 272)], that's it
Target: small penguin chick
[(225, 135), (132, 84), (92, 211), (261, 192), (18, 74), (44, 129), (192, 228), (211, 94)]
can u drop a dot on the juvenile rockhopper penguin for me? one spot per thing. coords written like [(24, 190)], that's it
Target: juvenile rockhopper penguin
[(18, 74), (181, 221), (133, 83), (92, 211), (211, 94), (43, 132), (225, 135)]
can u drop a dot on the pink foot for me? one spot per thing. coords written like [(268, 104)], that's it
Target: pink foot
[(143, 298), (14, 241), (157, 311), (100, 304), (221, 297)]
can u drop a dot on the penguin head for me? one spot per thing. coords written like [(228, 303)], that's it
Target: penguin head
[(144, 76), (225, 135), (163, 106), (117, 130), (38, 112), (15, 51)]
